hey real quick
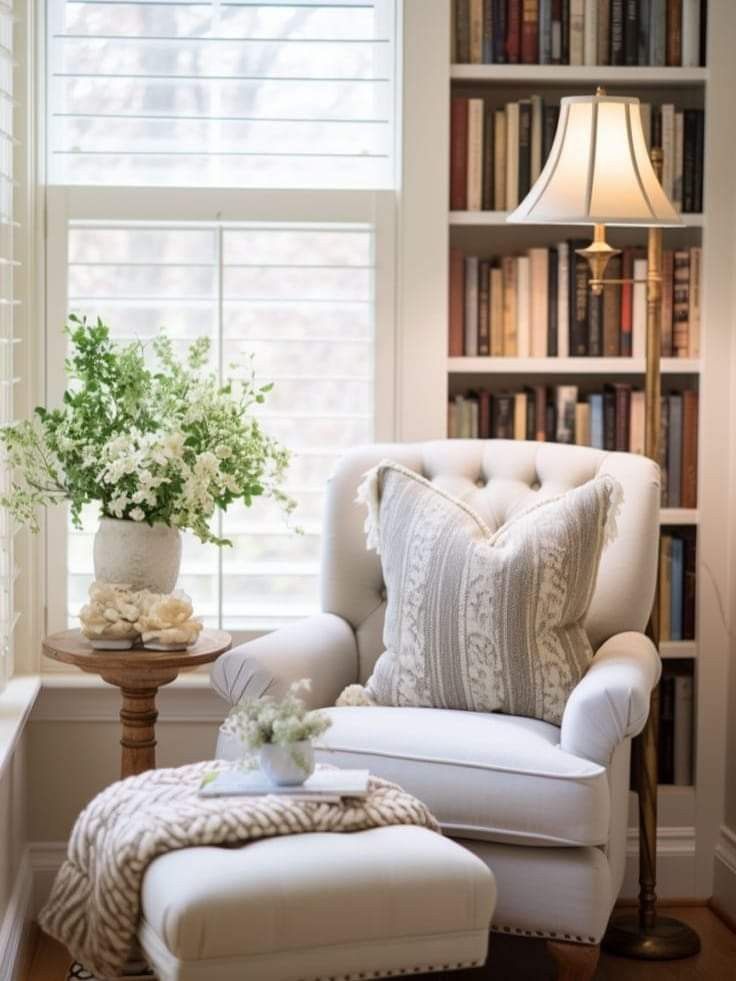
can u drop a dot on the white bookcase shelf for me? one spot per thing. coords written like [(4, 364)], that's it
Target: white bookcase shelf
[(678, 516), (567, 366), (559, 75), (678, 649)]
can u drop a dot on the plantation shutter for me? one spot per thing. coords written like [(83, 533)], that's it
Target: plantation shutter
[(227, 93), (8, 339)]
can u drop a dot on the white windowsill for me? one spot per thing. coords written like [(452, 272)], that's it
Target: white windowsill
[(16, 703)]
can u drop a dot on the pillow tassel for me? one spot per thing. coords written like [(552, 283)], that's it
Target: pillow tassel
[(368, 495), (354, 695), (615, 503)]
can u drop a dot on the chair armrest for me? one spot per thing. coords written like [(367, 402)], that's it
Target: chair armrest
[(611, 703), (322, 648)]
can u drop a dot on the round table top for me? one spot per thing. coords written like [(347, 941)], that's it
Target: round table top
[(71, 647)]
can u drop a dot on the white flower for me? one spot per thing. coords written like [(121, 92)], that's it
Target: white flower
[(223, 452), (173, 445), (137, 514), (207, 463), (118, 505)]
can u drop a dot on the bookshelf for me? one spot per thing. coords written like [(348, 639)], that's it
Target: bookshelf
[(689, 816)]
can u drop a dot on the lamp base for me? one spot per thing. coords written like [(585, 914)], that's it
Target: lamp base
[(667, 940)]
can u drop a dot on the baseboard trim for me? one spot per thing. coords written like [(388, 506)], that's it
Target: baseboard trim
[(16, 924), (675, 864), (724, 876)]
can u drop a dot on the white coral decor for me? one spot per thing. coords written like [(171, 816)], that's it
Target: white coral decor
[(167, 619), (117, 613), (111, 613)]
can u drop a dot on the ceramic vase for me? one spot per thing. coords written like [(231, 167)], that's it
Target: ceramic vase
[(138, 554), (289, 765)]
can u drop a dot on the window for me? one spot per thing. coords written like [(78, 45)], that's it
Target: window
[(296, 99), (8, 339)]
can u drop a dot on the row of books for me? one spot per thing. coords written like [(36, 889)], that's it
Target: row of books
[(540, 305), (677, 585), (609, 420), (580, 32), (676, 710), (497, 153)]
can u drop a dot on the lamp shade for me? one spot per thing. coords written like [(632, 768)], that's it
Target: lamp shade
[(598, 171)]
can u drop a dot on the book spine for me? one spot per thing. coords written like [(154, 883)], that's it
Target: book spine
[(520, 415), (631, 33), (590, 32), (531, 414), (536, 137), (683, 735), (609, 418), (552, 304), (556, 32), (579, 299), (627, 302), (577, 31), (612, 311), (462, 31), (563, 300), (681, 304), (657, 32), (690, 128), (703, 32), (452, 422), (496, 312), (645, 111), (639, 328), (566, 398), (524, 148), (642, 54), (551, 116), (696, 262), (595, 325), (508, 275), (457, 303), (582, 424), (471, 306), (699, 151), (523, 311), (668, 149), (596, 421), (545, 32), (690, 33), (530, 32), (665, 591), (667, 731), (689, 485), (484, 310), (678, 162), (488, 27), (499, 31), (487, 159), (539, 264), (617, 32), (674, 451), (540, 413), (668, 257), (512, 155), (637, 423), (484, 414), (603, 53), (499, 160), (503, 421), (458, 153), (676, 588), (663, 448), (476, 32), (474, 190), (690, 576), (623, 417), (674, 33), (513, 32), (565, 32)]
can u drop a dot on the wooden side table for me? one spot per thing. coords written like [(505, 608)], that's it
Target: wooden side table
[(138, 673)]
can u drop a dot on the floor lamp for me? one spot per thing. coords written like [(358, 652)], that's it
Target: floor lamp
[(600, 173)]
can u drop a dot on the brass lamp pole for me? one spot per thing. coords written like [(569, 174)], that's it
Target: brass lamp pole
[(599, 172)]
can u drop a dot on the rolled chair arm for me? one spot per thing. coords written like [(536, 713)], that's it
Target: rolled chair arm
[(611, 703), (321, 648)]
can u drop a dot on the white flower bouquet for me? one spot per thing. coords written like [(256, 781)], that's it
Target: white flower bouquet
[(162, 444)]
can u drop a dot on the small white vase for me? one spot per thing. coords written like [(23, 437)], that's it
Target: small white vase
[(140, 555), (287, 766)]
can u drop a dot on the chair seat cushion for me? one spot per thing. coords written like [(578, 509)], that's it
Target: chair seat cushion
[(483, 775), (393, 900)]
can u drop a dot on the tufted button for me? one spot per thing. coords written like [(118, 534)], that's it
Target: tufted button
[(535, 486), (480, 482)]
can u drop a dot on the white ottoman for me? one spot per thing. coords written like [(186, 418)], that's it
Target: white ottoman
[(397, 900)]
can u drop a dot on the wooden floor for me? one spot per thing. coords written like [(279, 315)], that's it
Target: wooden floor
[(516, 959)]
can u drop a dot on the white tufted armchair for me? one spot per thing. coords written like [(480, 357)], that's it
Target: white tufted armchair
[(545, 807)]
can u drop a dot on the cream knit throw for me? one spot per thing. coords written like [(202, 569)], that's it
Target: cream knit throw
[(94, 905)]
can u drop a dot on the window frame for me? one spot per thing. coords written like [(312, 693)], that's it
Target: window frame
[(66, 204)]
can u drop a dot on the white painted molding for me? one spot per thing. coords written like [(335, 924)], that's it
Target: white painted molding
[(675, 863), (724, 880), (65, 698), (670, 841), (15, 923)]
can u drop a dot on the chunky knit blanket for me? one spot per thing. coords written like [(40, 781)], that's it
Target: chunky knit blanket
[(94, 905)]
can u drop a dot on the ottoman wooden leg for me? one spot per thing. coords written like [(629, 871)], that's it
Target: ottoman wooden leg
[(575, 962)]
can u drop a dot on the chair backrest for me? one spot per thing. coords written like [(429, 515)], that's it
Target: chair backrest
[(497, 478)]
